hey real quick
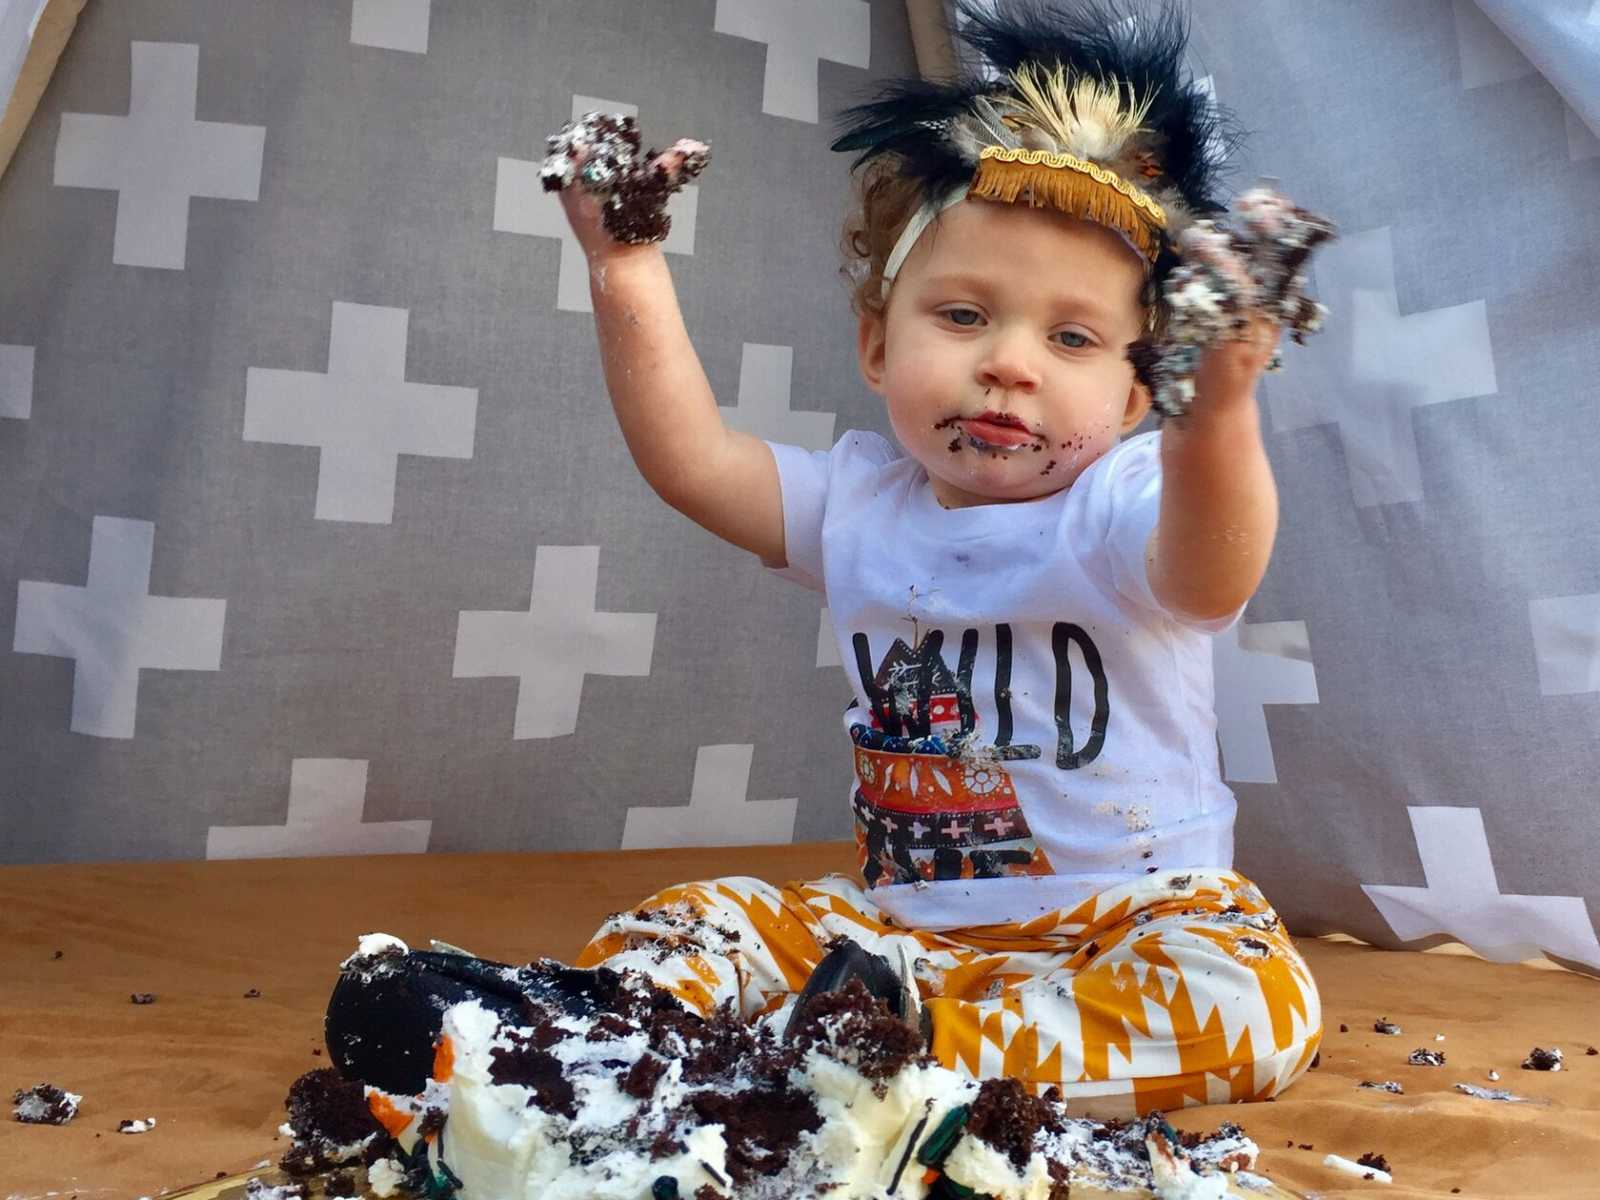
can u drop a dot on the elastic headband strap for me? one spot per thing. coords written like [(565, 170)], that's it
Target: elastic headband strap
[(920, 220)]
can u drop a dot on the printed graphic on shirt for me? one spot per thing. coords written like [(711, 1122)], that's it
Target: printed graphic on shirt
[(933, 799)]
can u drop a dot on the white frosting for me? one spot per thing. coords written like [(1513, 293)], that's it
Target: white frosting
[(373, 944), (1355, 1168), (502, 1147), (384, 1177), (1173, 1177)]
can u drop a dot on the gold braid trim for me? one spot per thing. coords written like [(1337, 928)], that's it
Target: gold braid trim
[(1074, 185)]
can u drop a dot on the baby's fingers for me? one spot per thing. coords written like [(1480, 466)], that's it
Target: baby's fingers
[(682, 161)]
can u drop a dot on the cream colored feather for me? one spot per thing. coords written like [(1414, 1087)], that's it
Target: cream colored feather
[(980, 127), (1091, 119)]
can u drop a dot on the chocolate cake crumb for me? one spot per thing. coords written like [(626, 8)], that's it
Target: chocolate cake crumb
[(1374, 1160), (1344, 1029), (538, 1070), (857, 1028), (252, 994), (1426, 1058), (44, 1104), (1006, 1117), (642, 1077), (762, 1126), (1307, 1146), (1592, 1050), (1386, 1027), (136, 1125), (1388, 1085), (1540, 1059), (1316, 1060), (329, 1116), (57, 954), (342, 1183), (142, 997)]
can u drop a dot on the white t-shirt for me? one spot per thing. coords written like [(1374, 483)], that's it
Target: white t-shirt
[(1030, 726)]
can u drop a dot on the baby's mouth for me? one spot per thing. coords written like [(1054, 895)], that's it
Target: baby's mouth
[(996, 431)]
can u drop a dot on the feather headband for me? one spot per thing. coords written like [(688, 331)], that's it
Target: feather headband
[(1084, 109)]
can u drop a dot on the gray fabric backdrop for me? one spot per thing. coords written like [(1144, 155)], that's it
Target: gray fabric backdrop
[(317, 534)]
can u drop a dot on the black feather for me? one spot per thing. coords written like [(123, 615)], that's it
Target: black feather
[(1087, 37), (906, 119)]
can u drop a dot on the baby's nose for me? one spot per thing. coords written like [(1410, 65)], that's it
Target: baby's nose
[(1008, 374)]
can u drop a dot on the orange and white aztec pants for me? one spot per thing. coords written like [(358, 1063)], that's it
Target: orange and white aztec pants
[(1177, 990)]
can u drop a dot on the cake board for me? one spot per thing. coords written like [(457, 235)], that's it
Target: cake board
[(233, 1188)]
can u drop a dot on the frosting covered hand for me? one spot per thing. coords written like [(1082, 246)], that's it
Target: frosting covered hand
[(609, 189), (1223, 300)]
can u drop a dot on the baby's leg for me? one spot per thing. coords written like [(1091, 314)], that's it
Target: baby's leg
[(735, 939), (1178, 991)]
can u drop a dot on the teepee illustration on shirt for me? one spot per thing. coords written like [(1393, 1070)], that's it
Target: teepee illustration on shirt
[(932, 801)]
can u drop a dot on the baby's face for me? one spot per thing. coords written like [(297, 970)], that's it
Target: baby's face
[(1021, 313)]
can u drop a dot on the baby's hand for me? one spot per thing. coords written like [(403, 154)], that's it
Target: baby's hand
[(611, 194), (1230, 369), (1227, 302)]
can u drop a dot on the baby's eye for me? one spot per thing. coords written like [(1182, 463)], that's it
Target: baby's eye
[(951, 314), (1083, 339)]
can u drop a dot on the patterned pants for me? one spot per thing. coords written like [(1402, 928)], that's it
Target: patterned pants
[(1171, 991)]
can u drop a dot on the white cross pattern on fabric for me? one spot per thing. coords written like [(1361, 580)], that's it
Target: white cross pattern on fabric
[(552, 646), (391, 24), (827, 647), (798, 37), (1463, 900), (158, 156), (1256, 665), (326, 798), (521, 205), (1566, 643), (362, 413), (113, 628), (16, 382), (763, 409), (717, 813), (1373, 366)]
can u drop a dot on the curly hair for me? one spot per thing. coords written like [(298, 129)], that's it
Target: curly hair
[(885, 201)]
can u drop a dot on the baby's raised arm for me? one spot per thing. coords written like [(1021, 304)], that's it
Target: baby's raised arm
[(723, 479)]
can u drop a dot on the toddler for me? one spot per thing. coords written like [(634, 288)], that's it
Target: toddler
[(1023, 594)]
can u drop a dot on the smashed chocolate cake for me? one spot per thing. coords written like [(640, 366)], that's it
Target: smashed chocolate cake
[(655, 1102)]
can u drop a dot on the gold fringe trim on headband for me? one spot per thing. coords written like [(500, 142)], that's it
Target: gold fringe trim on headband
[(1074, 186)]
